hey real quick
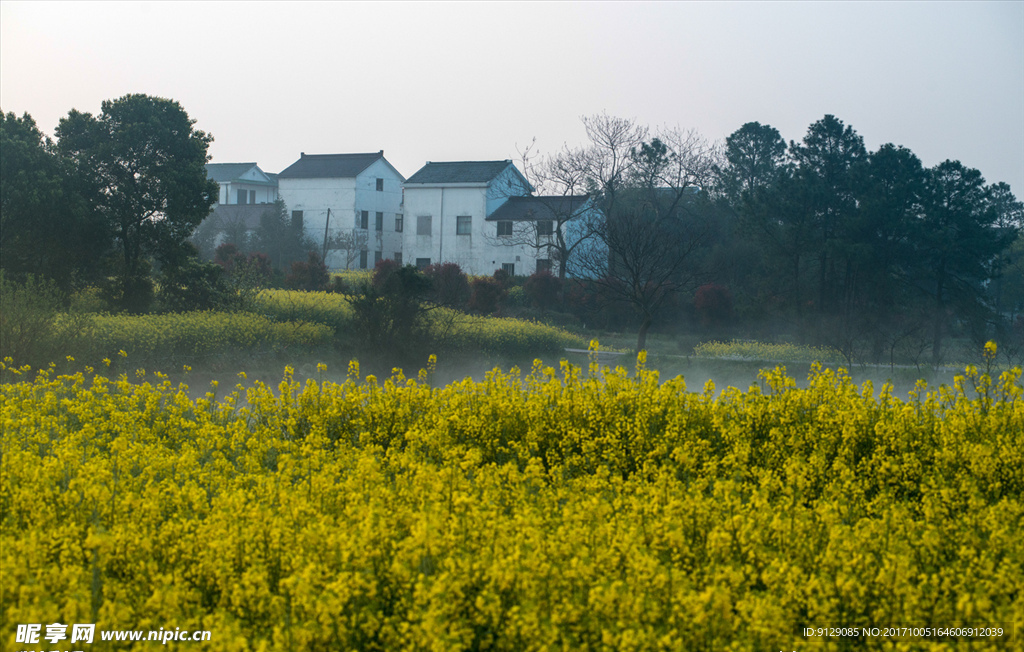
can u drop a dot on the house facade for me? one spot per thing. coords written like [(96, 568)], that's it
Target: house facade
[(351, 202), (242, 183), (448, 206)]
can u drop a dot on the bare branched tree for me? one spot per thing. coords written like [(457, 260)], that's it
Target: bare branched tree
[(350, 243), (649, 222)]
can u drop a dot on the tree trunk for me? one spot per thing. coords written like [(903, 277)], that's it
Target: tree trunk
[(937, 325), (641, 337)]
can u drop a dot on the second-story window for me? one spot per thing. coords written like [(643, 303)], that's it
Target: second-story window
[(423, 225), (379, 222), (363, 221), (545, 227), (464, 225), (380, 185), (505, 227), (399, 222)]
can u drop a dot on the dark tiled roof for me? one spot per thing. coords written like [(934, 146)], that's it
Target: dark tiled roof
[(542, 207), (224, 172), (459, 172), (329, 166)]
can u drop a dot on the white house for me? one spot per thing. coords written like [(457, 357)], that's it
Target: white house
[(353, 202), (448, 207), (242, 183)]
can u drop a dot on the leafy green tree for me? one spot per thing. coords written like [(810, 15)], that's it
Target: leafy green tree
[(959, 242), (755, 155), (45, 229), (824, 163), (1009, 217), (142, 163), (877, 248), (774, 218)]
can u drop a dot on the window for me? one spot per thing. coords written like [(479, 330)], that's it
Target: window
[(252, 196), (364, 220), (504, 228), (399, 222), (398, 258), (422, 263), (380, 185), (362, 259), (509, 268), (242, 194), (377, 255), (379, 223), (297, 219), (544, 227), (463, 225), (423, 225), (543, 265)]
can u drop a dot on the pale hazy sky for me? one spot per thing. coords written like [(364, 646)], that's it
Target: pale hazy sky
[(465, 81)]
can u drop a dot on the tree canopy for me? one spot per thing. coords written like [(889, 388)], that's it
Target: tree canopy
[(141, 164)]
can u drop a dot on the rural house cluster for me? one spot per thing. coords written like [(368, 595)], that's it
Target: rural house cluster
[(362, 210)]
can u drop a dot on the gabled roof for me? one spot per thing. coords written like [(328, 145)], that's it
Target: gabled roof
[(330, 166), (540, 207), (460, 172), (226, 172)]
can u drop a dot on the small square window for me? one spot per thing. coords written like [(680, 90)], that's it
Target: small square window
[(423, 225), (509, 268), (463, 225), (379, 224), (422, 263), (380, 185), (399, 222), (543, 265), (545, 227), (504, 228)]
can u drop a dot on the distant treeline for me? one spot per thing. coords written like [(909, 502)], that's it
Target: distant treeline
[(818, 240), (867, 249)]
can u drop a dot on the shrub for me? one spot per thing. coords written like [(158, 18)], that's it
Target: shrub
[(503, 277), (227, 256), (389, 318), (487, 295), (713, 304), (195, 285), (382, 271), (311, 275), (542, 289), (449, 285), (34, 329)]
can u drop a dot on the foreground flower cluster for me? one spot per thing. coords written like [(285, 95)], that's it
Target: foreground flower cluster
[(565, 509)]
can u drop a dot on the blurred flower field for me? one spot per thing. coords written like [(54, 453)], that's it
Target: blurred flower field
[(551, 509)]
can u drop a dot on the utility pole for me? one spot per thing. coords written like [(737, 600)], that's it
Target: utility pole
[(327, 223)]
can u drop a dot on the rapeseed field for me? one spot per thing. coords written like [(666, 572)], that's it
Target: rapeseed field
[(547, 509)]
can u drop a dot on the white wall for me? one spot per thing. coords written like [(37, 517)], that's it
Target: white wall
[(479, 253), (388, 201), (346, 198)]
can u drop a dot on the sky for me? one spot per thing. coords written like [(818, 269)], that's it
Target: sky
[(482, 80)]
